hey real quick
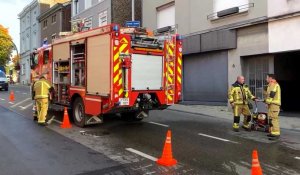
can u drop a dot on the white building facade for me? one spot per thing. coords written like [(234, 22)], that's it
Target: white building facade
[(29, 37)]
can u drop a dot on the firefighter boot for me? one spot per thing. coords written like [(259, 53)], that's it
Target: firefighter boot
[(273, 135), (247, 124), (236, 127), (236, 122)]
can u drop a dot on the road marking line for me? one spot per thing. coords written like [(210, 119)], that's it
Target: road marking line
[(298, 158), (20, 102), (11, 103), (25, 107), (2, 99), (217, 138), (142, 154), (17, 91), (159, 124), (24, 93)]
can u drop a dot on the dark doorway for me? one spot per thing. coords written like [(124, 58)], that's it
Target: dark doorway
[(286, 67)]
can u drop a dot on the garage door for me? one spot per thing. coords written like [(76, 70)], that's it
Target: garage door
[(206, 77)]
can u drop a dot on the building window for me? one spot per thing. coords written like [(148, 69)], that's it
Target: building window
[(34, 39), (22, 44), (45, 41), (165, 15), (88, 23), (27, 42), (34, 16), (103, 18), (53, 19), (23, 69), (24, 23), (28, 20), (53, 36), (75, 7), (220, 5), (45, 24), (88, 4)]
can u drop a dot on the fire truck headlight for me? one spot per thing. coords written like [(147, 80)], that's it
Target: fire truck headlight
[(179, 95), (180, 49), (117, 42)]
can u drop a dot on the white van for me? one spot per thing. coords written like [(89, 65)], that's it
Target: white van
[(3, 81)]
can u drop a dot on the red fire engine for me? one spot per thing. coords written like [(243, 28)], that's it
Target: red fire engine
[(109, 70)]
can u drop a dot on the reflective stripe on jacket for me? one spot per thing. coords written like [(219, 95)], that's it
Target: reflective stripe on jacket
[(239, 94), (273, 94), (41, 89)]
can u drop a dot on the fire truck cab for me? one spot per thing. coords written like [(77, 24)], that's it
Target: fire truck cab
[(112, 70)]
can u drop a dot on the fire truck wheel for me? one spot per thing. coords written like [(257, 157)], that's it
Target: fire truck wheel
[(78, 112)]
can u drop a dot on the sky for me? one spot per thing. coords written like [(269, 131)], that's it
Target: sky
[(9, 10)]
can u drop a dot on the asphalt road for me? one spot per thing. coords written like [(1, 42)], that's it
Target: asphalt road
[(201, 144)]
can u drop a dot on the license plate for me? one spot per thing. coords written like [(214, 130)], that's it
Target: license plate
[(124, 101)]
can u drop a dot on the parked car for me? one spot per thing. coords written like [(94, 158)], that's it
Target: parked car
[(3, 81)]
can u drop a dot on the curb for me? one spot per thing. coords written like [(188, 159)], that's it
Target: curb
[(197, 113)]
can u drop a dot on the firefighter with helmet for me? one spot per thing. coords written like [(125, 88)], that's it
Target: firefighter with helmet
[(42, 90), (239, 94)]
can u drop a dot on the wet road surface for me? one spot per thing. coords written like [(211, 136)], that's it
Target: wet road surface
[(201, 144)]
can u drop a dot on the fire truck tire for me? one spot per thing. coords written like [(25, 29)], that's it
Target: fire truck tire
[(79, 115)]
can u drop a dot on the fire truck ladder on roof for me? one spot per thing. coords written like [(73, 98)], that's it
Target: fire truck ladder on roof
[(140, 39)]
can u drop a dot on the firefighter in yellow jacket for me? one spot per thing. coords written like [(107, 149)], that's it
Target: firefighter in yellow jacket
[(41, 95), (273, 101), (238, 96)]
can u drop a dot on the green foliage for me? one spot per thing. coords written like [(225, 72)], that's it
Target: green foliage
[(6, 45)]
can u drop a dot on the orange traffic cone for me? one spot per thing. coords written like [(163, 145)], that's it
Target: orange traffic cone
[(256, 169), (66, 122), (167, 157), (12, 96)]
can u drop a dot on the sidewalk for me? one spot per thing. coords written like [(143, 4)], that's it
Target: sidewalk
[(286, 122)]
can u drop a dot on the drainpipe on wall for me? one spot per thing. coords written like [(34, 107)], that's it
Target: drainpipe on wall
[(132, 9)]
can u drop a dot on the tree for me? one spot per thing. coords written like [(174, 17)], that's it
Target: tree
[(6, 45), (16, 59)]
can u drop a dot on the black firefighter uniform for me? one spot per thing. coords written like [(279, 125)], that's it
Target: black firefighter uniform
[(41, 90), (273, 99), (238, 96)]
